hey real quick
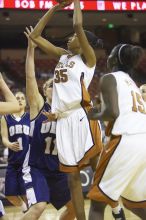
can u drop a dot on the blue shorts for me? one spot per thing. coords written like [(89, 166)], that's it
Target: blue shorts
[(14, 183), (45, 186)]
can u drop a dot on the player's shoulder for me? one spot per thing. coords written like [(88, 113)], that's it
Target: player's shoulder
[(7, 117), (107, 78)]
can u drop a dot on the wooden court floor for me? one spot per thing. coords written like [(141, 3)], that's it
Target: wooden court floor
[(51, 214)]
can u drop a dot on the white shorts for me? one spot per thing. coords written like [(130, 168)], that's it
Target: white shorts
[(75, 140), (124, 172)]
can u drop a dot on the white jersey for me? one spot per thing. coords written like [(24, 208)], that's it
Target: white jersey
[(132, 108), (67, 89)]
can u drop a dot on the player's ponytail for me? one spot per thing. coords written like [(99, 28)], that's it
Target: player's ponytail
[(137, 54), (94, 41), (129, 57)]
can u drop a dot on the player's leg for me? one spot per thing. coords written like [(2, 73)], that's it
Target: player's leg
[(37, 193), (140, 212), (134, 196), (14, 187), (17, 201), (35, 211), (113, 183), (96, 210), (68, 213), (102, 190), (77, 195), (93, 163), (24, 203), (60, 194)]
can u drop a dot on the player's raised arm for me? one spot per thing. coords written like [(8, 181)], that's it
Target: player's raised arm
[(11, 105), (87, 50), (35, 100), (51, 50)]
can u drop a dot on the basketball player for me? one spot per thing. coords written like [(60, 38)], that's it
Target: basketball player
[(9, 106), (71, 101), (121, 169), (15, 136), (143, 91), (44, 182)]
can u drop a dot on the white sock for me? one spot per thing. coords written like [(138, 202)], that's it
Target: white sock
[(23, 206), (117, 209)]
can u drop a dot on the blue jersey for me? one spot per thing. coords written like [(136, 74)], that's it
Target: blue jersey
[(18, 130), (43, 151)]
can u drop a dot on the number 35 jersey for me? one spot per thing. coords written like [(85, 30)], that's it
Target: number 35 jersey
[(67, 86), (43, 151), (132, 108)]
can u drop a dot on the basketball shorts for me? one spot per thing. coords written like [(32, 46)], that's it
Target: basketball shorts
[(45, 186), (14, 183), (78, 140), (121, 171)]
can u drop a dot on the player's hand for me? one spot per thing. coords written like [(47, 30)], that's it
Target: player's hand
[(14, 146), (50, 116), (65, 3), (27, 33)]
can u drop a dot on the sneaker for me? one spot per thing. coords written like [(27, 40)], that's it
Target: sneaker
[(119, 216)]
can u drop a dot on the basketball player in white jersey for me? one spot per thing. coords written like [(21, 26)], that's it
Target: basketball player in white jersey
[(9, 106), (75, 134), (121, 168)]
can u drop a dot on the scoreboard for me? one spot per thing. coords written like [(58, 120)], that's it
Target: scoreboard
[(96, 5)]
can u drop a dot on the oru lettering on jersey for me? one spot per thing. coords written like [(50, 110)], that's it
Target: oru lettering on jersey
[(18, 129)]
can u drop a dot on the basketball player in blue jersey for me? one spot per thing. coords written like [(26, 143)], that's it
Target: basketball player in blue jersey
[(9, 106), (15, 136), (44, 182)]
